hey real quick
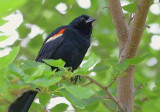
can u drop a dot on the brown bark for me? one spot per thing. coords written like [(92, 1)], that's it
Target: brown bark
[(119, 21), (129, 39)]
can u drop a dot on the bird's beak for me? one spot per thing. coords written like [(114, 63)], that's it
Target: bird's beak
[(90, 20)]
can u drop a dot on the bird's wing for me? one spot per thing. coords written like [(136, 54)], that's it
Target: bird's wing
[(51, 44)]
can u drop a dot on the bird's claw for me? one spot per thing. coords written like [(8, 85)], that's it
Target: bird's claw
[(75, 79)]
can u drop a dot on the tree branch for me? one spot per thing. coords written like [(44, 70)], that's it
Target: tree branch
[(131, 16), (139, 87), (111, 83), (137, 28), (87, 84), (121, 107), (122, 27)]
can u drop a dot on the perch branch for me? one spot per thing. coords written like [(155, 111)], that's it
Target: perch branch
[(87, 84), (121, 107)]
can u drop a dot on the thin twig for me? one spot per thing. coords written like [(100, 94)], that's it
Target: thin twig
[(139, 87), (131, 16), (106, 7), (106, 97), (147, 26), (87, 84), (111, 83), (121, 107)]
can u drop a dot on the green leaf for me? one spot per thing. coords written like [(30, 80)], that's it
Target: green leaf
[(136, 60), (151, 106), (32, 72), (123, 66), (119, 68), (92, 100), (60, 72), (21, 30), (91, 61), (6, 60), (44, 99), (79, 92), (2, 38), (100, 68), (82, 71), (59, 108), (130, 7), (116, 67), (35, 108), (30, 64), (56, 63), (16, 70), (38, 72), (45, 82), (80, 103), (157, 83), (9, 4), (75, 101), (101, 108), (2, 21), (3, 85)]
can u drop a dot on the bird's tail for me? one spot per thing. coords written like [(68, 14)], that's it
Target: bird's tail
[(23, 103)]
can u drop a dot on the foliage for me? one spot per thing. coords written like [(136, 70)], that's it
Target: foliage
[(19, 74)]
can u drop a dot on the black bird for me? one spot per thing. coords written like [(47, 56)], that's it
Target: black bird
[(69, 43)]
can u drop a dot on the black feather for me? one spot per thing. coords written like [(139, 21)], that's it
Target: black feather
[(23, 103)]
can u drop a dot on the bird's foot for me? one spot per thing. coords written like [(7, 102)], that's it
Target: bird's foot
[(75, 79)]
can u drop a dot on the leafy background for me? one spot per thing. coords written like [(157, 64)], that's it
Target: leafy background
[(36, 19)]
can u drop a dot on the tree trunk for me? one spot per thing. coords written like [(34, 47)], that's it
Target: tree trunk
[(129, 39)]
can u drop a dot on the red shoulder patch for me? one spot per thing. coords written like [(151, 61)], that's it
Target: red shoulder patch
[(60, 32)]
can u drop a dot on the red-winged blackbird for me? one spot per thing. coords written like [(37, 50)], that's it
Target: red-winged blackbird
[(69, 43)]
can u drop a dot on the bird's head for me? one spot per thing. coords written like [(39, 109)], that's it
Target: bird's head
[(83, 23)]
